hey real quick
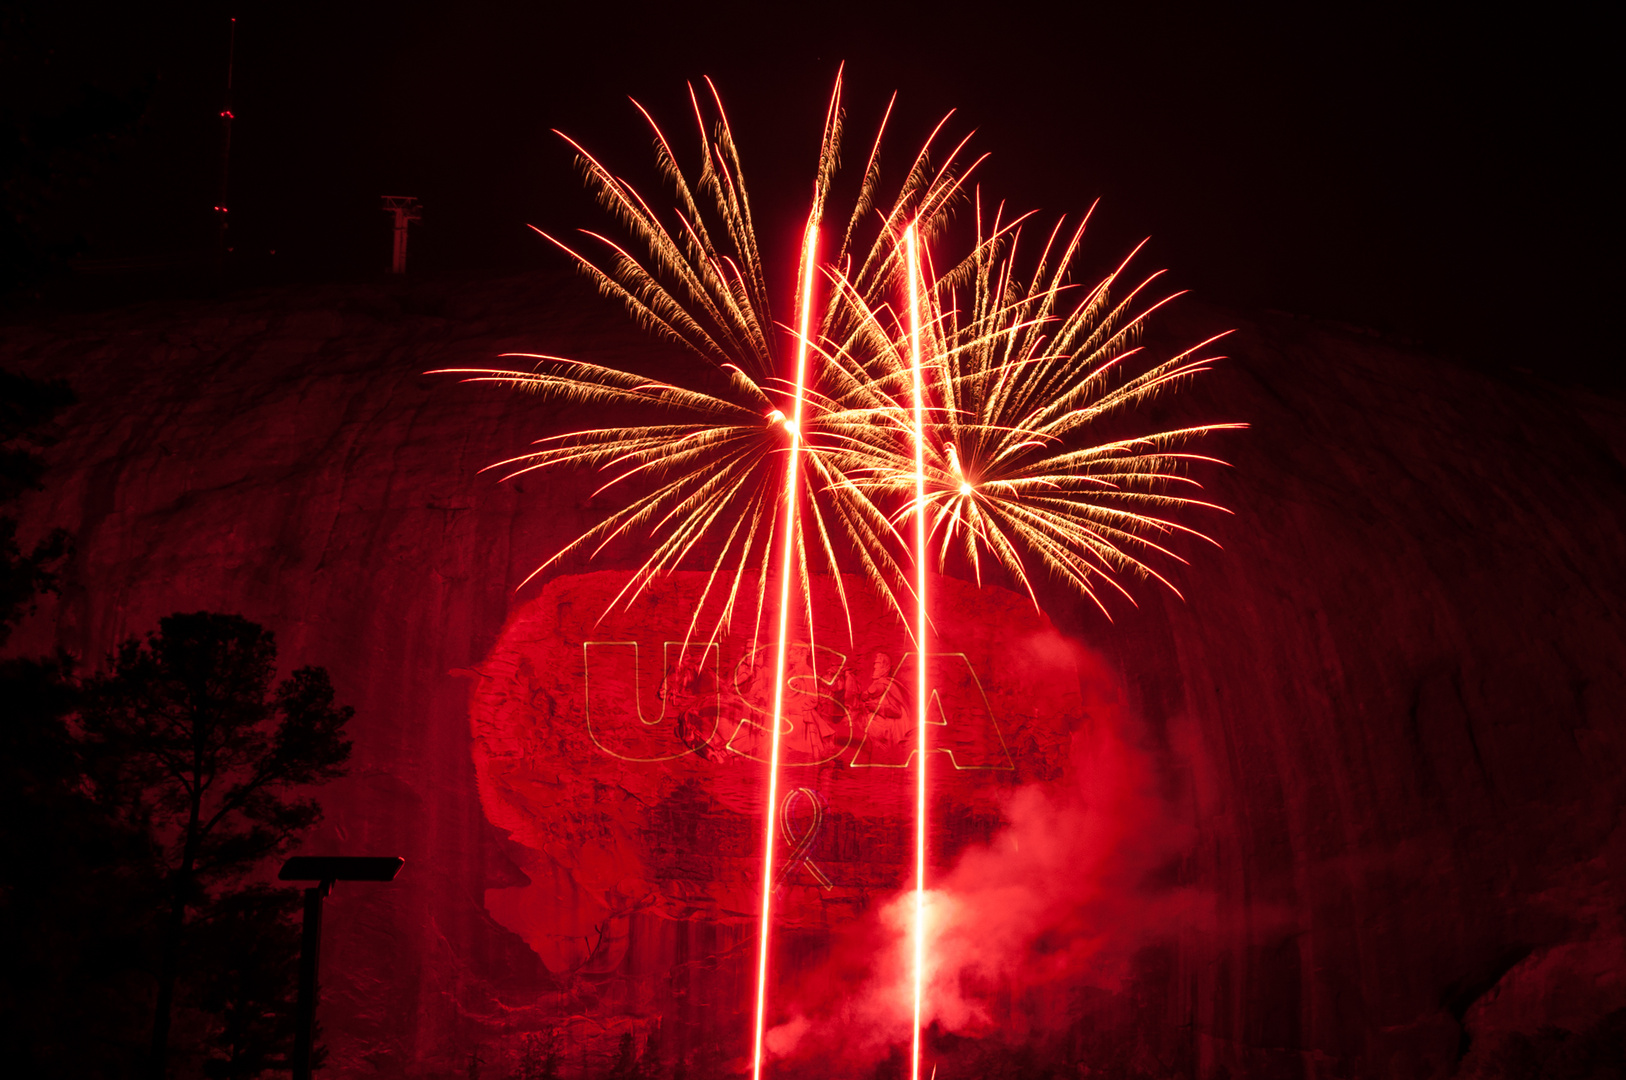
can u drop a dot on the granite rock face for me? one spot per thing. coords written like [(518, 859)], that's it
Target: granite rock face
[(1384, 727)]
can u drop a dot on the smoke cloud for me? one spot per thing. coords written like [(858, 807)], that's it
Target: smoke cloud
[(1077, 881)]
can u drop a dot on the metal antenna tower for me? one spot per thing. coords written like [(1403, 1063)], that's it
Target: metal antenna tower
[(221, 205)]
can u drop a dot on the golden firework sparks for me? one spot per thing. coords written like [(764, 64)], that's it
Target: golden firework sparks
[(703, 474), (1027, 377), (1007, 464)]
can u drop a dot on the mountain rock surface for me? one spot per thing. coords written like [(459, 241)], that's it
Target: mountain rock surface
[(1383, 729)]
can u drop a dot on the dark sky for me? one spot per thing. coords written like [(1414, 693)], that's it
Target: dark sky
[(1439, 177)]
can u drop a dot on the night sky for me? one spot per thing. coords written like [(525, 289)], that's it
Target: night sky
[(1437, 178)]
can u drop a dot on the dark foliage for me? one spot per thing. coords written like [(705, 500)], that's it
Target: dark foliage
[(650, 1063), (28, 410), (1553, 1053), (195, 742), (149, 793), (75, 956), (244, 951), (191, 745), (539, 1057), (135, 799), (625, 1065), (633, 1063), (73, 952)]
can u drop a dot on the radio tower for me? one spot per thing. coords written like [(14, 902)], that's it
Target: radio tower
[(226, 117)]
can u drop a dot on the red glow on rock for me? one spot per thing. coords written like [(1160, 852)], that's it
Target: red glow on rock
[(628, 773), (1054, 904)]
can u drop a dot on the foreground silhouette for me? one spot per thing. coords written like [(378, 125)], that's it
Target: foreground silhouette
[(193, 740)]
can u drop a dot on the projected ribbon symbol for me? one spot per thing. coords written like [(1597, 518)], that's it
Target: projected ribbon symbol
[(801, 845)]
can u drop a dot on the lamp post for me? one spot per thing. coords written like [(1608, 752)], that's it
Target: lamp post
[(325, 870)]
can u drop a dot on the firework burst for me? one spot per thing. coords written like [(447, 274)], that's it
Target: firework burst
[(974, 409), (705, 468), (1025, 373)]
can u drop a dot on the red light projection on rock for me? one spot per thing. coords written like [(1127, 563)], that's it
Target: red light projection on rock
[(628, 772), (800, 845), (640, 704), (1003, 471)]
